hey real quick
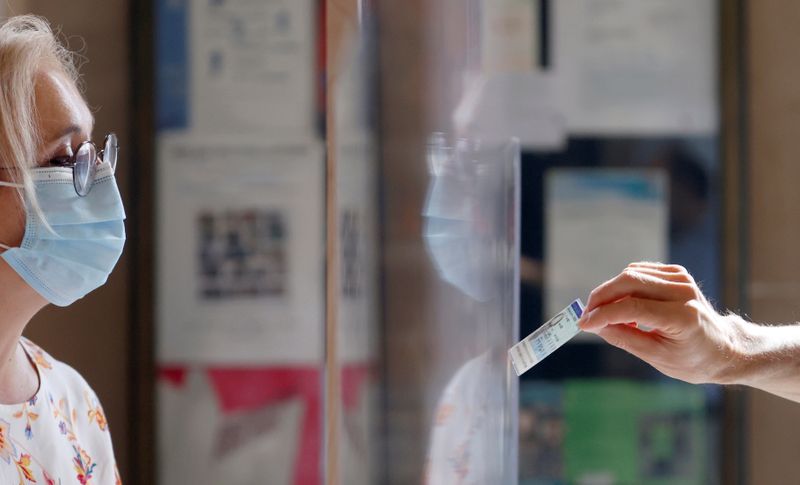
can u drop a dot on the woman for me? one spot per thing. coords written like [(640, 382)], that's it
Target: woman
[(61, 233)]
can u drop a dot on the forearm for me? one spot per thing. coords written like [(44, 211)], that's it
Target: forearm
[(769, 358)]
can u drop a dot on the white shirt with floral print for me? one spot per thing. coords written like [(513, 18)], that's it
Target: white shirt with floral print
[(58, 437)]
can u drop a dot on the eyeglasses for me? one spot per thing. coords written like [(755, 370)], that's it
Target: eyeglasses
[(84, 162)]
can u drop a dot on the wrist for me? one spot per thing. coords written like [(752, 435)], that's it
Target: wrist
[(744, 341), (766, 356)]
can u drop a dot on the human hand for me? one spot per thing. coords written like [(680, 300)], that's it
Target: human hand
[(688, 339)]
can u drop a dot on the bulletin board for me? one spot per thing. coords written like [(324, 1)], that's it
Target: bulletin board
[(229, 250)]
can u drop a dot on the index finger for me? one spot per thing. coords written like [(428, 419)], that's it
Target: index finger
[(671, 268), (659, 315), (636, 284)]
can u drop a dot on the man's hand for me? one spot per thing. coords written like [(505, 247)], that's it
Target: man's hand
[(687, 340)]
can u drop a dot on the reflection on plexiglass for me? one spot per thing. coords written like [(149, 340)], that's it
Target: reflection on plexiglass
[(470, 226), (466, 216)]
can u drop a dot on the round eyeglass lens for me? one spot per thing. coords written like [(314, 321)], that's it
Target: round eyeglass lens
[(84, 169), (111, 150)]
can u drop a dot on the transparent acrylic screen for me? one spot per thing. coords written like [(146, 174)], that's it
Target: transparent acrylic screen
[(447, 206)]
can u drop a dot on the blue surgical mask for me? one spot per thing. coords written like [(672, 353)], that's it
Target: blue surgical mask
[(75, 255)]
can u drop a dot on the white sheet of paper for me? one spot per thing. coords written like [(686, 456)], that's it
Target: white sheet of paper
[(511, 96), (241, 252), (357, 196), (253, 67), (637, 67), (597, 222), (509, 36), (522, 105)]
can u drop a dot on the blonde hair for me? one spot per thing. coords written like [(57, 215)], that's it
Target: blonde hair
[(27, 45)]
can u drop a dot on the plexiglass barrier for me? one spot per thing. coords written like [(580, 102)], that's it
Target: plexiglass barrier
[(471, 232)]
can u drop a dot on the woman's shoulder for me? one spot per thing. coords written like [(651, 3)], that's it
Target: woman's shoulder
[(67, 408)]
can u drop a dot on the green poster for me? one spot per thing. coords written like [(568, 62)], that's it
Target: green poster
[(631, 433)]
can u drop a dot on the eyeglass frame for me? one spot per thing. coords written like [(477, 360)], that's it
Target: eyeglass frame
[(71, 161)]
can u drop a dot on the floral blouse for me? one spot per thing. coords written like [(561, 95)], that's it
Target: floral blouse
[(60, 436)]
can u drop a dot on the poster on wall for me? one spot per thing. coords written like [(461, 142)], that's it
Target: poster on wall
[(509, 36), (209, 438), (614, 431), (510, 95), (521, 105), (240, 239), (358, 248), (258, 425), (237, 66), (356, 156), (596, 222), (628, 67), (240, 251)]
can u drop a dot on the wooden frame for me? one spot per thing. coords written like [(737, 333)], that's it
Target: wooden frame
[(141, 247), (733, 143)]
